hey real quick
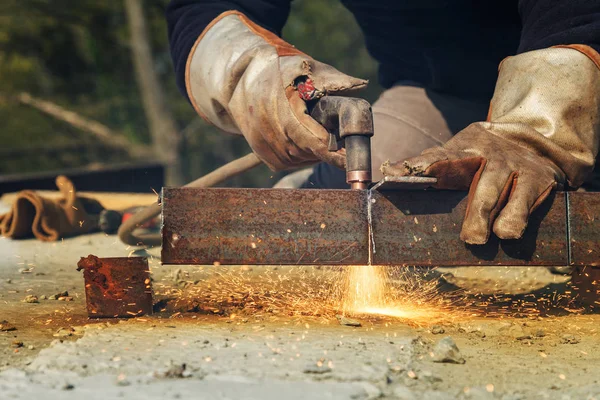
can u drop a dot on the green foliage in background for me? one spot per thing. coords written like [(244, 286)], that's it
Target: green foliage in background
[(76, 54)]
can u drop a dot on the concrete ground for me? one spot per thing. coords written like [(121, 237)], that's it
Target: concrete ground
[(210, 341)]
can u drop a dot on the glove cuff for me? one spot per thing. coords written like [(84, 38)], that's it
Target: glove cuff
[(549, 102)]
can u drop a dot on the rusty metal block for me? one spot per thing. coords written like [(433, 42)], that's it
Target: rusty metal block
[(422, 228), (116, 287), (264, 226), (584, 228)]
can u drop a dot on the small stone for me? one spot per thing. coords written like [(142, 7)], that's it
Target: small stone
[(9, 281), (17, 343), (437, 330), (523, 337), (24, 270), (513, 331), (348, 321), (569, 339), (317, 368), (58, 296), (473, 330), (174, 372), (64, 332), (480, 334), (446, 351), (78, 330), (540, 333), (68, 386), (30, 347), (65, 298), (43, 297), (31, 299), (429, 377), (6, 326)]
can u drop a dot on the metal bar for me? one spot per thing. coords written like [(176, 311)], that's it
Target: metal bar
[(423, 228), (279, 226), (264, 226), (584, 224)]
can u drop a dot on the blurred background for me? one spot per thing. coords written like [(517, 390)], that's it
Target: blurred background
[(88, 85)]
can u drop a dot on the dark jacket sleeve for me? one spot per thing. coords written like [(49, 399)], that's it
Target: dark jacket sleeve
[(186, 19), (548, 23)]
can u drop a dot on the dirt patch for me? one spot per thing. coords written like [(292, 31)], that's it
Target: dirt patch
[(515, 328)]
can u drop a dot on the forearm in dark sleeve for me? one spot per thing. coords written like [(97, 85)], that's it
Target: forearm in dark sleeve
[(548, 23), (187, 19)]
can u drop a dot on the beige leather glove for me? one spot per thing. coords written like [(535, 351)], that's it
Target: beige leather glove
[(241, 78), (543, 132)]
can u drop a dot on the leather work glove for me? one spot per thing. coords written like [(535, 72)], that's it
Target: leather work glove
[(242, 78), (543, 132), (50, 219)]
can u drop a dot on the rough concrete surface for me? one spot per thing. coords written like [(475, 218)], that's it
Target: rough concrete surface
[(549, 354)]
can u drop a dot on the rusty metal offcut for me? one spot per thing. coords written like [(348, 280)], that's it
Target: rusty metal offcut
[(116, 287)]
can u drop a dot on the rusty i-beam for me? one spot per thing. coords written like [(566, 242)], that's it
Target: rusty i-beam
[(362, 227)]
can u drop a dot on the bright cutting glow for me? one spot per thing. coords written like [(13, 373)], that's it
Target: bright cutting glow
[(366, 287), (397, 312), (379, 291)]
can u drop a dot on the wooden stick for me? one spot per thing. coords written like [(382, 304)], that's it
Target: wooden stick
[(102, 132)]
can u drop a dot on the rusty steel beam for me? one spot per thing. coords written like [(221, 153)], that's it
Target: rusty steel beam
[(584, 228), (264, 226), (331, 227), (423, 227)]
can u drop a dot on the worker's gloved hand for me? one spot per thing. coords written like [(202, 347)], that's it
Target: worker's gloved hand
[(544, 133), (49, 219), (242, 78), (507, 180)]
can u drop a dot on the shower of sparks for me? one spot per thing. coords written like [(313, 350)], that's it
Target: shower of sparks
[(408, 294), (323, 292)]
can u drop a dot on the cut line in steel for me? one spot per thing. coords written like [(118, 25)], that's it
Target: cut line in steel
[(331, 227)]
